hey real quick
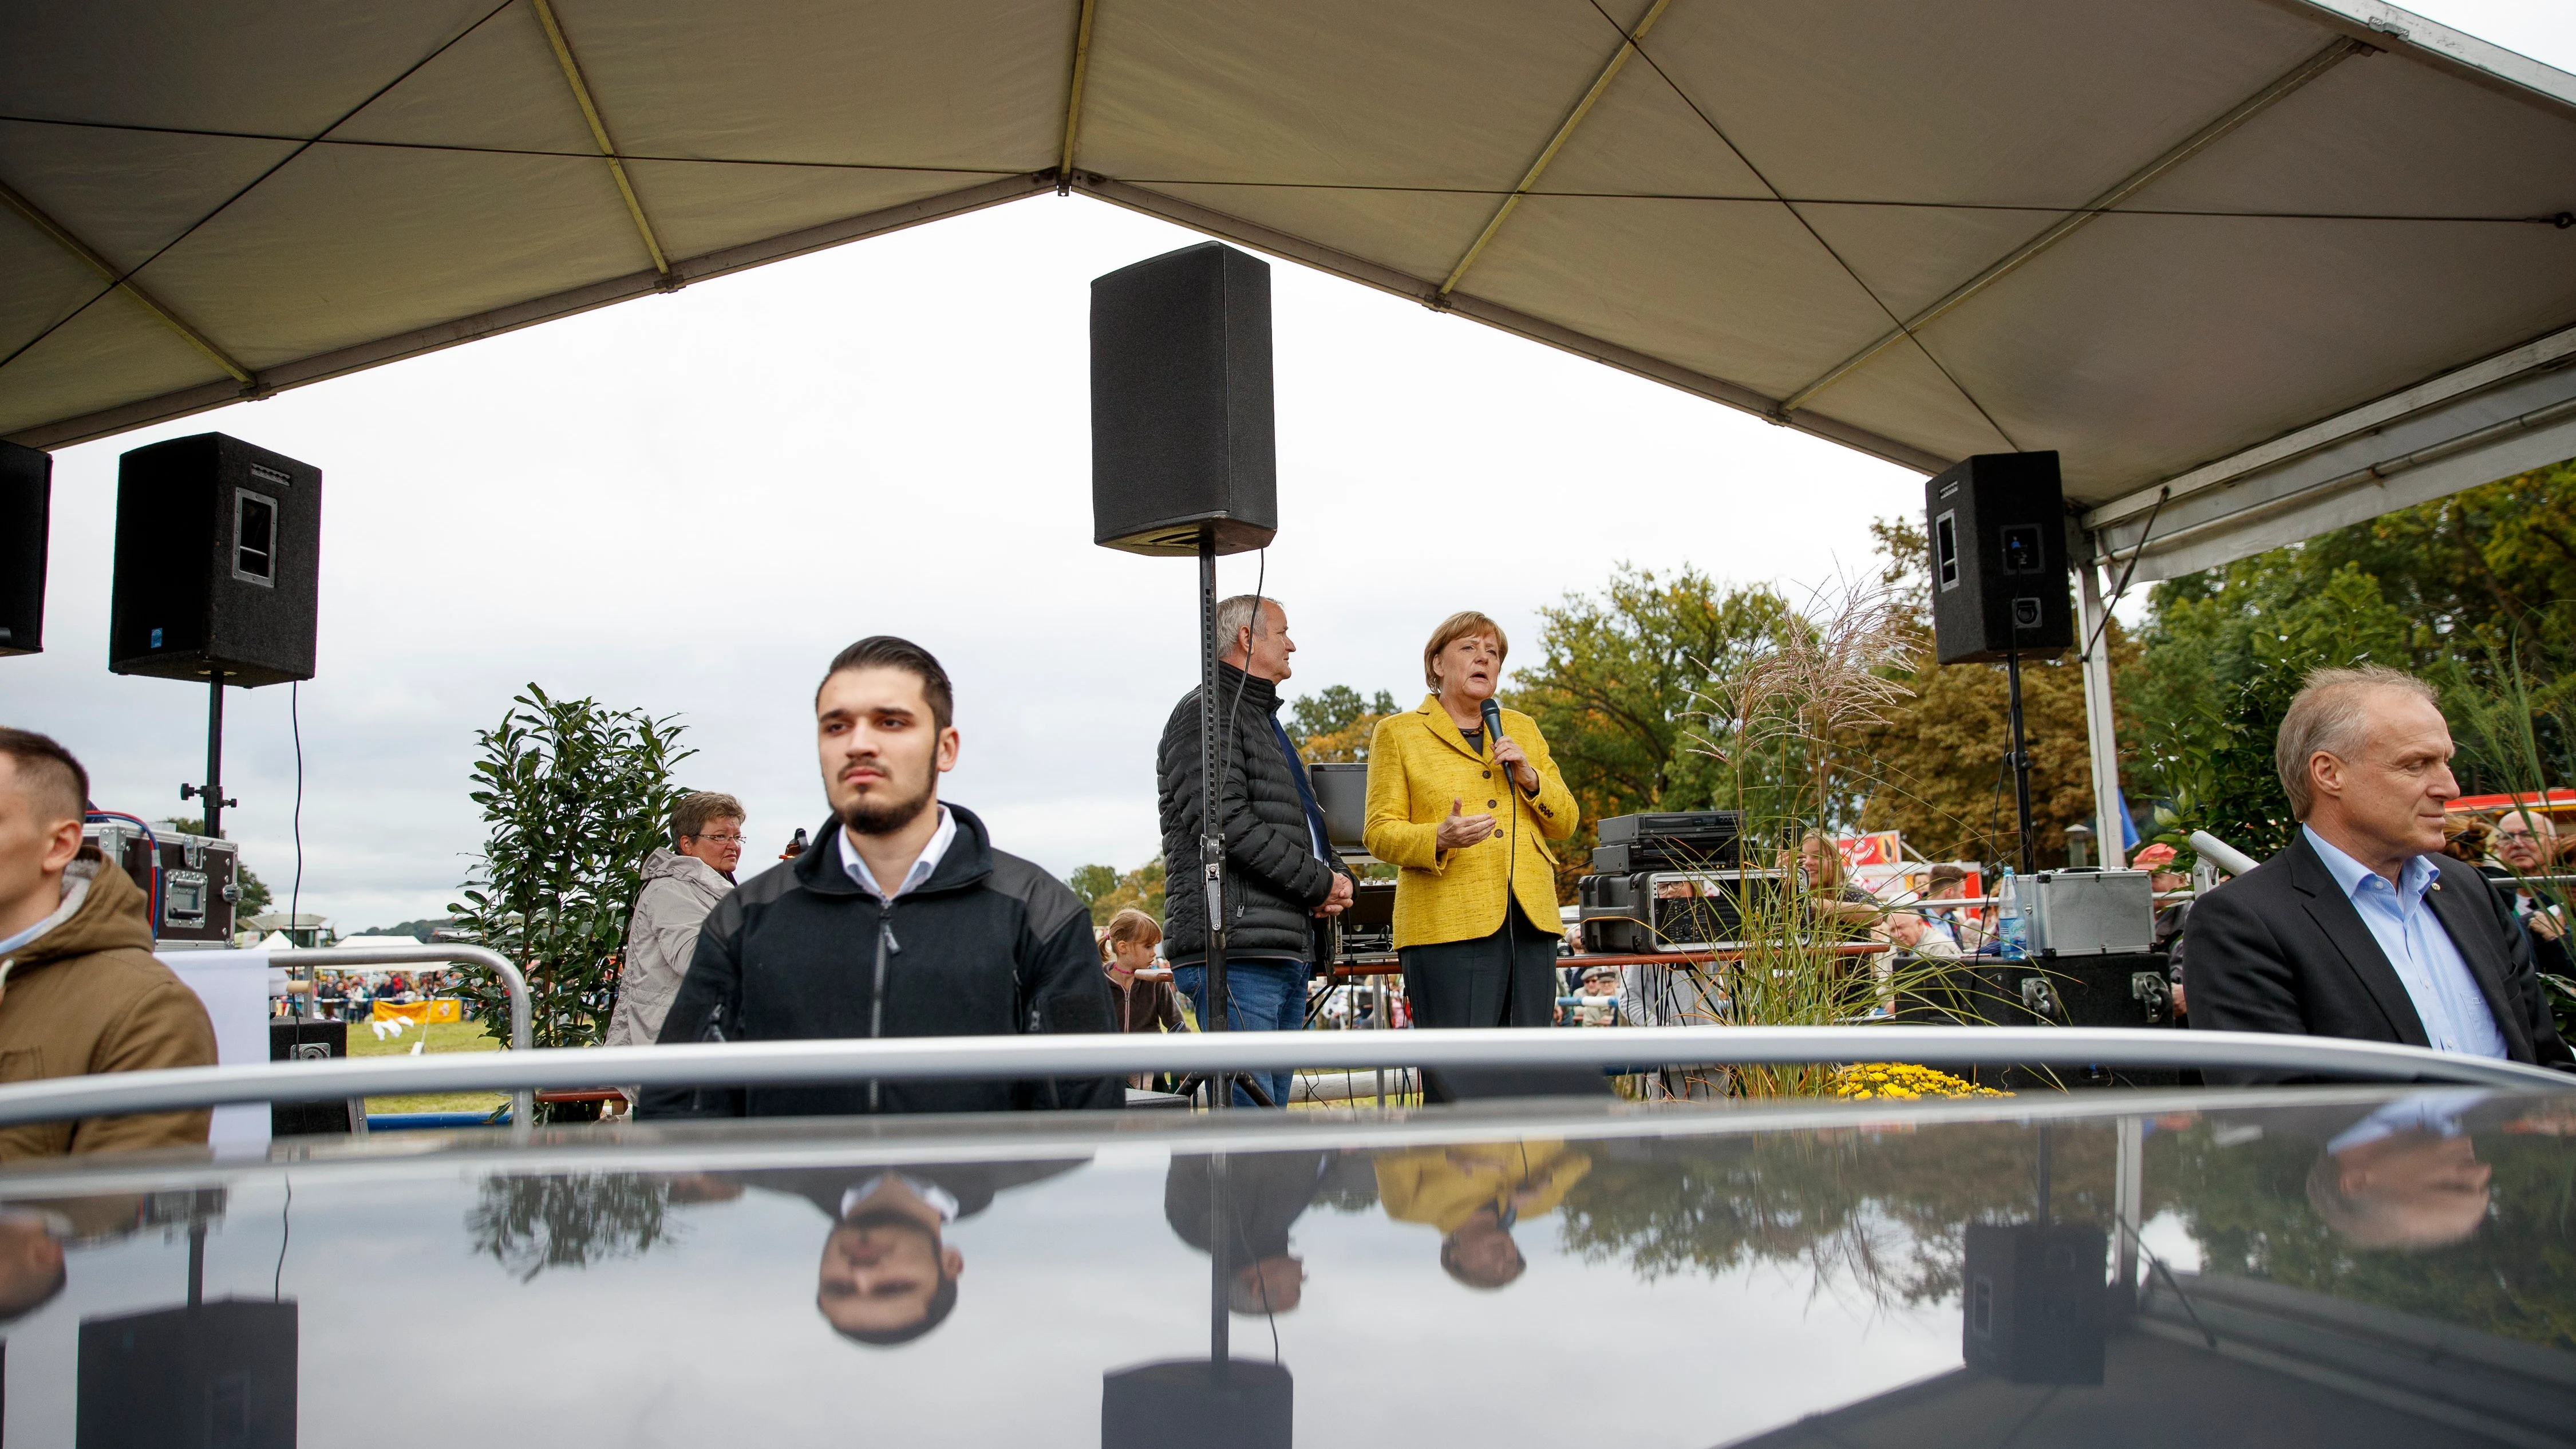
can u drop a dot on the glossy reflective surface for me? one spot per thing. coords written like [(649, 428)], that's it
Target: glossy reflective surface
[(2353, 1268)]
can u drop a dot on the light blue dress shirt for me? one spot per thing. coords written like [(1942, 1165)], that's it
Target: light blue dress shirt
[(2455, 1013)]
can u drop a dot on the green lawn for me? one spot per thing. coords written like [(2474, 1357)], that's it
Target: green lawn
[(468, 1036)]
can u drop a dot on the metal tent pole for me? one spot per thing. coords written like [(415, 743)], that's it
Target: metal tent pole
[(2101, 738)]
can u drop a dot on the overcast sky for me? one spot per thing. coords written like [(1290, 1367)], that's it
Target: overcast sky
[(686, 504)]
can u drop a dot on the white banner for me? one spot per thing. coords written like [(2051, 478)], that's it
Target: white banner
[(234, 985)]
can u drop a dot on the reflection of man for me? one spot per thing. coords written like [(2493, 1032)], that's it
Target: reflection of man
[(2406, 1176), (31, 1263), (1474, 1194), (1264, 1195), (34, 1235), (2362, 928), (888, 1274)]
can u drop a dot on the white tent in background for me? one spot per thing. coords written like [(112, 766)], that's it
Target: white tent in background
[(2254, 268)]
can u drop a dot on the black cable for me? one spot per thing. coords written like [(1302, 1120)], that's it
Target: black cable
[(2136, 553), (303, 144), (285, 1231)]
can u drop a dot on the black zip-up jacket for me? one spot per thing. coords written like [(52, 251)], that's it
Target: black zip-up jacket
[(1273, 878), (990, 945)]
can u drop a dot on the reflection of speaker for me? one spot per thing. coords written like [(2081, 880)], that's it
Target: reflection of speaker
[(26, 488), (1193, 1403), (1997, 527), (217, 562), (217, 1374), (1181, 423), (2034, 1300)]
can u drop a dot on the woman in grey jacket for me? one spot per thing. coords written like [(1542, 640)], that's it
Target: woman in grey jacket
[(681, 885)]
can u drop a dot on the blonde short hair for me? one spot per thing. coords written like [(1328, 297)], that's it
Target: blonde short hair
[(2329, 715), (1454, 628)]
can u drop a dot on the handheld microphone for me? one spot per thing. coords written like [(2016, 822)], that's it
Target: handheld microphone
[(1493, 723)]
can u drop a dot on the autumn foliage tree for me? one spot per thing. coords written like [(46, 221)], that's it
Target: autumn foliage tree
[(1937, 765)]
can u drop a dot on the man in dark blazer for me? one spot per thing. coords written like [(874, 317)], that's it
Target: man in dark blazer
[(2362, 928)]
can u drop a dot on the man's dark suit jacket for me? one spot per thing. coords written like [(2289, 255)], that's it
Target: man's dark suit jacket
[(2282, 949)]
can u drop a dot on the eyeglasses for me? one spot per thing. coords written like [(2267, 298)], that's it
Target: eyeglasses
[(734, 840)]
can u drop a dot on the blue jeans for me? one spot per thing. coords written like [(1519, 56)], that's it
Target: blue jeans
[(1265, 995)]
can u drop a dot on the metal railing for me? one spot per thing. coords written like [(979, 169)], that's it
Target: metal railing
[(1021, 1058), (367, 958)]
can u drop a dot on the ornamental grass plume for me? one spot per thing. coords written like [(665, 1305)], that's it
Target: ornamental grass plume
[(1779, 719)]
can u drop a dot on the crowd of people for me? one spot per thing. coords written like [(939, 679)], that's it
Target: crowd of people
[(2385, 919)]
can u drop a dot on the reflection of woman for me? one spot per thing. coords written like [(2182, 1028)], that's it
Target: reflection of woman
[(1474, 1194), (1469, 820)]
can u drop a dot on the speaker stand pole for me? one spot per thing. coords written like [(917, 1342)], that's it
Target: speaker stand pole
[(1211, 837), (213, 790), (2020, 766)]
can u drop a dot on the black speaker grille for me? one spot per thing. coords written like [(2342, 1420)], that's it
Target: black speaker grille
[(26, 496), (1182, 428), (1996, 527), (218, 562)]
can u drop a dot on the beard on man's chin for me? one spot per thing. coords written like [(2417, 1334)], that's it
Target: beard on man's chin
[(884, 814)]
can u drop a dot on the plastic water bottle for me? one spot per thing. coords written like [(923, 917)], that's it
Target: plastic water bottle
[(2012, 930)]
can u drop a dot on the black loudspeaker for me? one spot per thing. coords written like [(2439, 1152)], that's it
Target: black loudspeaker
[(1243, 1403), (298, 1040), (1997, 526), (26, 494), (218, 1373), (2034, 1302), (1181, 422), (218, 548)]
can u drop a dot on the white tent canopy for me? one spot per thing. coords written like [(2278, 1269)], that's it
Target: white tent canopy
[(2253, 268)]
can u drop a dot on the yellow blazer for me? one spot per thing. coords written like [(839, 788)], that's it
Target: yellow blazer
[(1445, 1186), (1418, 764)]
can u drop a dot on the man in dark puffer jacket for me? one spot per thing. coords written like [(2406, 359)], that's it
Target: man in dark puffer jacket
[(901, 921), (1280, 873)]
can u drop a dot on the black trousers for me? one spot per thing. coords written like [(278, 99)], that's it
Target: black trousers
[(1505, 979)]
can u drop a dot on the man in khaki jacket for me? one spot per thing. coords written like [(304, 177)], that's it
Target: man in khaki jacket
[(79, 989)]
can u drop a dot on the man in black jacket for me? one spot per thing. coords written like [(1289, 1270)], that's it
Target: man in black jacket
[(964, 941), (1280, 871), (2363, 928)]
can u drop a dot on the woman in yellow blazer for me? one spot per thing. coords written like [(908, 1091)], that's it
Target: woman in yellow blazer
[(1470, 822)]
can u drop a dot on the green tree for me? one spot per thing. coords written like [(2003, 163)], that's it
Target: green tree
[(1334, 726), (1107, 891), (2225, 650), (1619, 682), (1935, 770), (2468, 591), (574, 796), (1092, 883)]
